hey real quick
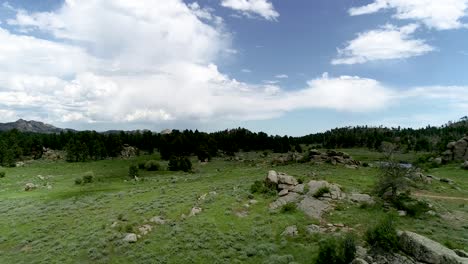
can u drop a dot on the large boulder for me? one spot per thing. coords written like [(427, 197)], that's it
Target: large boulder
[(428, 251), (272, 177), (361, 198), (460, 149), (130, 238), (313, 207), (286, 179), (291, 197), (335, 190)]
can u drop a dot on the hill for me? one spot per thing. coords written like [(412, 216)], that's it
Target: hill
[(31, 126)]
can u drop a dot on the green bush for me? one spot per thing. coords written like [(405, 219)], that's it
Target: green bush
[(152, 165), (261, 187), (180, 164), (321, 191), (141, 165), (2, 174), (383, 235), (412, 207), (337, 250), (88, 177), (289, 208), (132, 171), (78, 181)]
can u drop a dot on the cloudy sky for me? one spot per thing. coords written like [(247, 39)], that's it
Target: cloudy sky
[(279, 66)]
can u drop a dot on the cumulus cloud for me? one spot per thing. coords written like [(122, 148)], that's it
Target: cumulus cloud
[(388, 42), (281, 76), (162, 69), (441, 15), (262, 8)]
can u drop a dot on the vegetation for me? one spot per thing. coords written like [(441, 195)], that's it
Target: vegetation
[(152, 165), (180, 164), (2, 174), (289, 208), (321, 192), (383, 235), (340, 250), (133, 171)]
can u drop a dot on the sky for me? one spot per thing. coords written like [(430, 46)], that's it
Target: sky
[(280, 66)]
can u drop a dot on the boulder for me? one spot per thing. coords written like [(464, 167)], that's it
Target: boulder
[(335, 190), (291, 197), (460, 149), (313, 229), (361, 198), (283, 192), (158, 220), (286, 179), (145, 229), (465, 165), (285, 187), (298, 188), (426, 250), (30, 186), (313, 207), (272, 177), (290, 231), (130, 238), (195, 211), (461, 253), (437, 161), (359, 261)]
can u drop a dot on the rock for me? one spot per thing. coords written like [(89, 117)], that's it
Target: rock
[(433, 177), (286, 179), (361, 198), (158, 220), (285, 187), (465, 165), (401, 213), (437, 161), (459, 149), (272, 177), (30, 186), (283, 192), (313, 229), (115, 224), (314, 186), (451, 145), (298, 188), (313, 207), (202, 197), (426, 250), (335, 191), (253, 201), (19, 164), (351, 167), (145, 229), (449, 181), (431, 213), (128, 151), (359, 261), (130, 238), (290, 231), (289, 198), (361, 252), (195, 211), (461, 253)]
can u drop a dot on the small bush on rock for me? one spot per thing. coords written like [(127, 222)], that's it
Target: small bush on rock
[(321, 192)]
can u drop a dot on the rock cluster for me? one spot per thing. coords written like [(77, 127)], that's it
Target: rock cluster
[(54, 155), (30, 186), (456, 151), (128, 152), (333, 157), (290, 191)]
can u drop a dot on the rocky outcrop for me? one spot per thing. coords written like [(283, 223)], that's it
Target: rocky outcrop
[(456, 151), (130, 238), (290, 231), (128, 152), (361, 198), (333, 157), (30, 186), (428, 251)]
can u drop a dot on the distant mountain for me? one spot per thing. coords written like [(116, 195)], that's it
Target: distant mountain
[(31, 126)]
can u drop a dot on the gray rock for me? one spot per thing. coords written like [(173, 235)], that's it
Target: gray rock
[(289, 198), (286, 179), (298, 188), (158, 220), (460, 149), (426, 250), (30, 186), (145, 229), (253, 201), (195, 211), (401, 213), (335, 190), (361, 198), (465, 165), (290, 231), (130, 238), (313, 207), (283, 192), (272, 177), (359, 261), (313, 229), (283, 186)]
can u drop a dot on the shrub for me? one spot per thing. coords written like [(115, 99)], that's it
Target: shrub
[(321, 191), (289, 208), (78, 181), (141, 165), (180, 164), (152, 165), (88, 177), (261, 187), (133, 171), (383, 235), (413, 207), (2, 174), (337, 250)]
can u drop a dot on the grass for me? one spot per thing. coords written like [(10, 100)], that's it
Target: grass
[(71, 223)]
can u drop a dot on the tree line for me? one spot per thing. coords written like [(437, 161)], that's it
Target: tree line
[(91, 145)]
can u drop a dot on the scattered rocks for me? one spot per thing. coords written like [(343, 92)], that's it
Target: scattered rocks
[(426, 250), (145, 229), (130, 238), (30, 186), (195, 211), (290, 231)]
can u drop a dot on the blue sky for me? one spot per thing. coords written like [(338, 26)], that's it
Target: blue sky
[(283, 67)]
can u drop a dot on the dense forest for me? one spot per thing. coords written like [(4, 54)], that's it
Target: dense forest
[(91, 145)]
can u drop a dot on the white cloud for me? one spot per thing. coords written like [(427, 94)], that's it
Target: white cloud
[(438, 14), (388, 42), (281, 76), (246, 71), (261, 8)]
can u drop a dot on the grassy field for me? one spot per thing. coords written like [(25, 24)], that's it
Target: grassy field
[(61, 222)]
